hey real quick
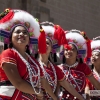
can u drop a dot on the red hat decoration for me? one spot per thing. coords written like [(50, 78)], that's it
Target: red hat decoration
[(88, 42)]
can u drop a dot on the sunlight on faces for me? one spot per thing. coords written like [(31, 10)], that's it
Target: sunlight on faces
[(70, 54), (49, 46), (95, 58), (20, 36)]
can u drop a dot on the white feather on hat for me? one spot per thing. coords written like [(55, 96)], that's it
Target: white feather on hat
[(77, 39), (95, 44), (22, 17), (48, 29)]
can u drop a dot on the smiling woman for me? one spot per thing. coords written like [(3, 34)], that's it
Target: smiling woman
[(75, 70), (52, 72), (14, 61), (95, 60), (20, 37), (20, 74)]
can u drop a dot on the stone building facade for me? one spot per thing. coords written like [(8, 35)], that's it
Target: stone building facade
[(70, 14)]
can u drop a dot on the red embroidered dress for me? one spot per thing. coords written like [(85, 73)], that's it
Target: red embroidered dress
[(76, 76), (91, 87), (53, 74), (7, 90)]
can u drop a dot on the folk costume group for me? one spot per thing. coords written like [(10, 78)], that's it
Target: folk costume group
[(28, 55)]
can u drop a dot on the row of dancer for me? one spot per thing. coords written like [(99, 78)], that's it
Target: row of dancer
[(21, 76), (24, 77), (76, 62)]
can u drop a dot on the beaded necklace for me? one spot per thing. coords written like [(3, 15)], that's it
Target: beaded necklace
[(48, 77), (70, 66), (74, 65), (31, 71)]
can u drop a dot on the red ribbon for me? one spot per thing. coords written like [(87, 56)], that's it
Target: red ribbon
[(42, 42), (7, 17), (59, 35)]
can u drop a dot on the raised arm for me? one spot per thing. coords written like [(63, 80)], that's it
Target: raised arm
[(94, 82)]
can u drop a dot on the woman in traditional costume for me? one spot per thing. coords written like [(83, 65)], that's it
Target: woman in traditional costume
[(95, 61), (51, 71), (20, 74), (73, 66)]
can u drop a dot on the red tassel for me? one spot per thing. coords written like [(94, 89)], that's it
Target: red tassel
[(88, 50), (88, 42), (42, 41), (59, 35)]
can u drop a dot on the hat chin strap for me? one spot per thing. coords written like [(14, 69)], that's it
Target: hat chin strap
[(73, 44)]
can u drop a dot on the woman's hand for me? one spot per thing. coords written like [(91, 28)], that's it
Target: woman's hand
[(87, 92), (87, 97), (40, 96)]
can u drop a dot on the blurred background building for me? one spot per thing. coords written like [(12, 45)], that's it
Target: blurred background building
[(70, 14)]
